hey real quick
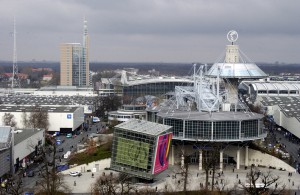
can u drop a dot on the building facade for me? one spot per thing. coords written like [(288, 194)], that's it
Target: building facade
[(26, 145), (61, 119), (5, 150), (207, 117), (127, 112)]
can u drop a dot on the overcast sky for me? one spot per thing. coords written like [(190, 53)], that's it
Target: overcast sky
[(152, 30)]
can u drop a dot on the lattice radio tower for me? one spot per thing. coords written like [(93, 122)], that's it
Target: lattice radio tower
[(15, 77)]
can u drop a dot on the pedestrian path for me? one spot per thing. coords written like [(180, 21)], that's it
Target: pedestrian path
[(228, 180)]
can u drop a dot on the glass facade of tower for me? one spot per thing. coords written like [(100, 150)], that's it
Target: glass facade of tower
[(83, 68), (73, 65), (76, 65)]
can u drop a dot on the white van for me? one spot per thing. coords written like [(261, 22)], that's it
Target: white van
[(67, 154)]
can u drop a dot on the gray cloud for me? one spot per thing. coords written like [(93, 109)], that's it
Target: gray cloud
[(156, 30)]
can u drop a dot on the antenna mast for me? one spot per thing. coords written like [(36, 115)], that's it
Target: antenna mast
[(15, 78)]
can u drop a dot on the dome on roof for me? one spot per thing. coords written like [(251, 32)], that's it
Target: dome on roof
[(235, 64)]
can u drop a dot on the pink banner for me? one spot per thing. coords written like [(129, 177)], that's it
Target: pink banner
[(162, 153)]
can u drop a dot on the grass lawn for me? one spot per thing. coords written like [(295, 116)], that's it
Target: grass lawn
[(101, 152)]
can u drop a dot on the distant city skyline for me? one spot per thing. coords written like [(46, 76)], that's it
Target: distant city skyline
[(152, 31)]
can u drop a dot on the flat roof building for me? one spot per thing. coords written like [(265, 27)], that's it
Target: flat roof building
[(131, 85), (61, 119), (26, 146), (127, 112), (86, 102)]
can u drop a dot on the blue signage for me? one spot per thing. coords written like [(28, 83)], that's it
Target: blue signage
[(69, 116)]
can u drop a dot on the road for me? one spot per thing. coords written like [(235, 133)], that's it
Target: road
[(291, 143), (291, 146), (69, 144)]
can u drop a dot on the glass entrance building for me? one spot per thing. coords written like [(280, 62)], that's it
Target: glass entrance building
[(218, 126), (141, 148)]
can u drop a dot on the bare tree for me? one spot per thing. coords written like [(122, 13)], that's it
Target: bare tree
[(13, 185), (106, 104), (185, 173), (258, 182), (91, 148), (9, 120), (112, 184), (25, 120), (51, 182), (210, 163), (147, 190), (39, 118)]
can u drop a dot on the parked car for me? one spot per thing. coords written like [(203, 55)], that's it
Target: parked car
[(69, 135), (60, 149), (75, 173), (30, 174)]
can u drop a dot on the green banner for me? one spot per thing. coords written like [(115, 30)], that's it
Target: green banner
[(131, 152)]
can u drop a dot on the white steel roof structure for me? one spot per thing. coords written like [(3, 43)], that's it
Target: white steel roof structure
[(236, 70), (235, 64), (129, 80)]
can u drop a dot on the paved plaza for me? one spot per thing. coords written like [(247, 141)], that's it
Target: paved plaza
[(167, 179)]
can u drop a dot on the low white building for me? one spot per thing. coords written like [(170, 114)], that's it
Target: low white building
[(26, 144), (61, 119), (57, 101), (51, 91), (271, 88), (128, 112), (65, 90), (285, 111)]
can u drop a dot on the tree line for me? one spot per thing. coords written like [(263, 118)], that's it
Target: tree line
[(39, 118)]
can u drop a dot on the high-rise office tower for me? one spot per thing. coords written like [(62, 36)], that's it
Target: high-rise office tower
[(74, 62)]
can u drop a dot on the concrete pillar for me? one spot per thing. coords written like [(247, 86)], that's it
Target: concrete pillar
[(182, 161), (172, 155), (200, 160), (238, 159), (221, 160), (247, 156)]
